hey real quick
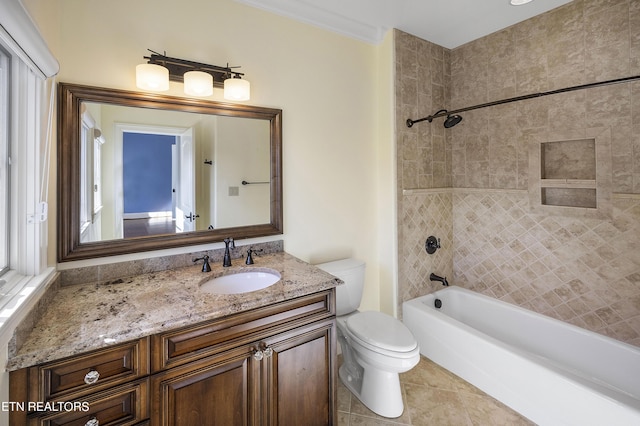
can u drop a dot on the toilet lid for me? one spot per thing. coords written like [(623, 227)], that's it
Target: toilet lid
[(381, 330)]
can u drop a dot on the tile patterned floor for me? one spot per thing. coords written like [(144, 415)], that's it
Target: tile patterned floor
[(433, 396)]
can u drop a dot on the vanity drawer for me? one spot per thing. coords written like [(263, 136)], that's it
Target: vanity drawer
[(89, 372), (190, 343), (124, 405)]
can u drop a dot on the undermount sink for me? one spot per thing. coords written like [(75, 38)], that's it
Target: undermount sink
[(241, 282)]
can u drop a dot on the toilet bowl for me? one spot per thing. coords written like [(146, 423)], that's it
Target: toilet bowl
[(375, 346)]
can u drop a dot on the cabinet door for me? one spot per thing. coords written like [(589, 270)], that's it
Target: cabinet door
[(219, 391), (299, 377)]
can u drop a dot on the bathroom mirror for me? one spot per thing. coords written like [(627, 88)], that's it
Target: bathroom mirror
[(140, 171)]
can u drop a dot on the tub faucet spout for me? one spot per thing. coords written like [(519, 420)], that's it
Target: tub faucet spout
[(434, 277)]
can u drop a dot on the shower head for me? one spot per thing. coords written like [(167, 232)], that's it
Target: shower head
[(452, 120)]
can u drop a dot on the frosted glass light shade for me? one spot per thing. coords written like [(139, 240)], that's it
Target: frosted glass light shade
[(198, 83), (152, 77), (236, 89)]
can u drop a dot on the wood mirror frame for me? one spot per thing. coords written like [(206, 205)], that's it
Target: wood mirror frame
[(70, 99)]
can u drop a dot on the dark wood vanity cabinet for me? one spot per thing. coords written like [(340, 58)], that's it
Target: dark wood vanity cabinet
[(108, 386), (273, 365), (285, 379)]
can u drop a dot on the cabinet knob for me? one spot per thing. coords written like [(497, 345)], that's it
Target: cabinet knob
[(92, 422), (91, 377), (263, 352)]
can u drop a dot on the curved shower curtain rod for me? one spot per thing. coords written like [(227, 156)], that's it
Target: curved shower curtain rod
[(443, 113)]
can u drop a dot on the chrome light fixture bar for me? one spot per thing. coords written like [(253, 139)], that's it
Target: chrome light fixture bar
[(199, 78)]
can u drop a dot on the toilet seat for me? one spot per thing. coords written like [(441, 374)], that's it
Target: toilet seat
[(382, 333)]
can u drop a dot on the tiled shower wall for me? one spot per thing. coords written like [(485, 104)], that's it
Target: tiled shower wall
[(423, 161), (425, 213), (584, 271)]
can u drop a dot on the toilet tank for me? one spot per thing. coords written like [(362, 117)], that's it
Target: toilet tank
[(348, 295)]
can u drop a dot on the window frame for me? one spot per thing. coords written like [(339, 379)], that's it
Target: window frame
[(27, 276), (5, 163)]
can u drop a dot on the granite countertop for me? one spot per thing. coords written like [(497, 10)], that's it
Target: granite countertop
[(92, 316)]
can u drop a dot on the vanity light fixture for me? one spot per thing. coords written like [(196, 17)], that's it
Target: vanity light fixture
[(199, 79), (152, 77), (236, 89), (198, 83)]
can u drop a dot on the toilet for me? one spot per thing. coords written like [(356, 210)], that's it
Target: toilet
[(375, 346)]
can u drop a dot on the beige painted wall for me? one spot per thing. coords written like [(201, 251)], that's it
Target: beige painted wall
[(337, 137), (386, 169)]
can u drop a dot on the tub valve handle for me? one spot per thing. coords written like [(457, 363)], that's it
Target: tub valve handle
[(432, 244)]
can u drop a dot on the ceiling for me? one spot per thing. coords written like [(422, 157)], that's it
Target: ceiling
[(448, 23)]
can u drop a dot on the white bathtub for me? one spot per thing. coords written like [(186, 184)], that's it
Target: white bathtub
[(551, 372)]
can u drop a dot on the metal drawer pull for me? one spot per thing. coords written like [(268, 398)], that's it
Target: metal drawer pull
[(91, 377), (92, 422)]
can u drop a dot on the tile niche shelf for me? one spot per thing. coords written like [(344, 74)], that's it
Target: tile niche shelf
[(570, 174)]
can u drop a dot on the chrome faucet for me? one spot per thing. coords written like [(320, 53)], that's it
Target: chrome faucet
[(434, 277), (228, 243), (205, 265)]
